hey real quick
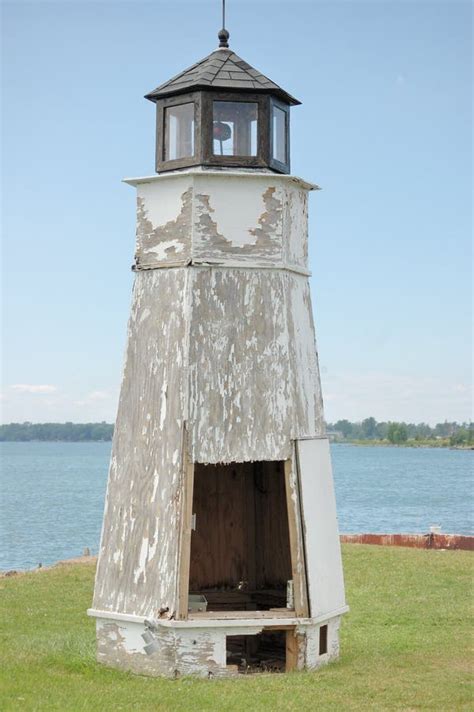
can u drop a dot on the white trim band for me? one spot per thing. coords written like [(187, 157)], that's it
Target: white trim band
[(218, 622), (223, 174)]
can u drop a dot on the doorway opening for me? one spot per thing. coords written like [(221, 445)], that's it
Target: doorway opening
[(240, 546)]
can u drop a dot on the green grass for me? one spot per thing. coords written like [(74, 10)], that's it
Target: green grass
[(405, 645)]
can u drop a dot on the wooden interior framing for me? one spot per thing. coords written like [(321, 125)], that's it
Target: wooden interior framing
[(294, 644), (295, 523), (284, 658), (257, 569), (185, 533)]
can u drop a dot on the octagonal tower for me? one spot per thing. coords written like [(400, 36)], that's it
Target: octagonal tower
[(220, 548)]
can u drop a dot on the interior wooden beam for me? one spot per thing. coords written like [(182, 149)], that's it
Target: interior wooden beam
[(294, 641), (185, 533), (250, 533), (249, 615), (296, 539)]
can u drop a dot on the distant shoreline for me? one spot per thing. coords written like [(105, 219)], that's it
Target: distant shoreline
[(414, 444), (57, 440), (430, 445), (56, 432), (369, 432)]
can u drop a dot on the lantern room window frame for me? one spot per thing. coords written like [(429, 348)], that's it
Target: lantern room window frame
[(212, 159), (281, 167), (161, 106), (203, 131)]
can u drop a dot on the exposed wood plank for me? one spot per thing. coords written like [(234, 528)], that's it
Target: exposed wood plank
[(249, 615), (272, 541), (232, 669), (296, 540), (291, 650), (294, 643), (219, 548), (227, 597), (279, 626), (185, 538), (250, 529), (241, 536)]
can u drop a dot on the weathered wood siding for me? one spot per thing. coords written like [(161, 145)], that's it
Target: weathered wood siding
[(224, 350), (188, 652), (308, 416), (295, 226), (238, 221), (164, 223), (137, 566), (204, 217), (254, 378), (201, 651), (240, 397)]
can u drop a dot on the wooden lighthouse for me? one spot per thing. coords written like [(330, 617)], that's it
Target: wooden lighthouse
[(220, 550)]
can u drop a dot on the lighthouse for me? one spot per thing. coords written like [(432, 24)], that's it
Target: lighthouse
[(220, 550)]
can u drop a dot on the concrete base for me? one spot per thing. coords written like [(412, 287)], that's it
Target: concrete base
[(174, 648)]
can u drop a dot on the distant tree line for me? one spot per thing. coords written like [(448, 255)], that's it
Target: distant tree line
[(456, 434), (68, 432)]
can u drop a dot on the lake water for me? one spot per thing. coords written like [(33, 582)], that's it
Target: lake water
[(52, 495)]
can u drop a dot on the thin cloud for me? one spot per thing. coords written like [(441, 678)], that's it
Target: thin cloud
[(93, 397), (97, 395), (33, 388)]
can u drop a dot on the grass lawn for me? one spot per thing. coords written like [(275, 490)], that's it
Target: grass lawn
[(405, 645)]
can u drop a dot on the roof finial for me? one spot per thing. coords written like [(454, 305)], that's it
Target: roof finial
[(223, 35)]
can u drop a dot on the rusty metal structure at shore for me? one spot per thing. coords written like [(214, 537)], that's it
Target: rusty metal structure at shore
[(414, 541)]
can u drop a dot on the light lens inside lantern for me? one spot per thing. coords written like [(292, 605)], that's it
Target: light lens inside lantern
[(279, 149), (235, 128), (179, 132)]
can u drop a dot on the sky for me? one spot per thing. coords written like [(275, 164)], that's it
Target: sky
[(384, 129)]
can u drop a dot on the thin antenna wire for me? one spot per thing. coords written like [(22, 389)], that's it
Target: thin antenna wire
[(223, 35)]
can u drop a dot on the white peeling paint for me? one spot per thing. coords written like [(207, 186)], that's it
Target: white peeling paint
[(234, 218), (220, 341), (163, 205), (323, 550)]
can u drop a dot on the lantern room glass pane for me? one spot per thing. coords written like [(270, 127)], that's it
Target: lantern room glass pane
[(235, 128), (279, 149), (179, 132)]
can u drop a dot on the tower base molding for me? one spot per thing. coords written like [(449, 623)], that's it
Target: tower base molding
[(203, 647)]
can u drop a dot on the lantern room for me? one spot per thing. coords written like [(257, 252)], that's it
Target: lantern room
[(222, 112)]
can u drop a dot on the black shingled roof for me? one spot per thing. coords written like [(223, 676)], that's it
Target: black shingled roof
[(222, 69)]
